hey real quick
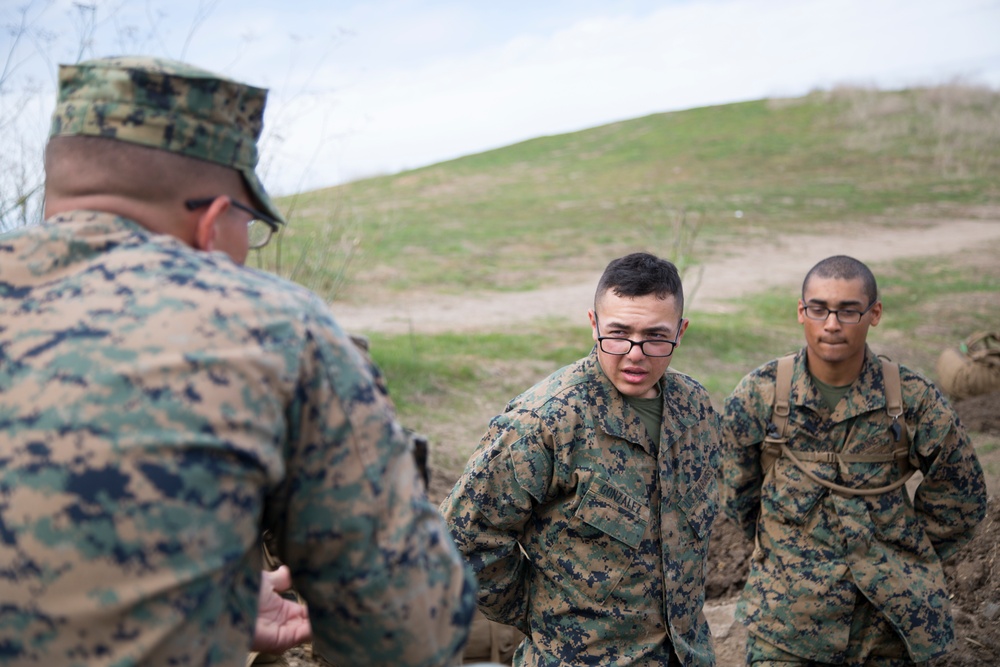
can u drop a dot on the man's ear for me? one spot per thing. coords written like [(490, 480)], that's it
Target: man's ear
[(207, 229), (876, 312), (684, 327)]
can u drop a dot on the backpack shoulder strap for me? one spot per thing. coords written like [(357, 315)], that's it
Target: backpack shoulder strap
[(777, 434), (776, 443), (894, 408), (893, 389), (782, 392)]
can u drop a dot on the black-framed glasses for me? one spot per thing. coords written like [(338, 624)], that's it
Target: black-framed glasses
[(622, 346), (844, 315), (259, 229)]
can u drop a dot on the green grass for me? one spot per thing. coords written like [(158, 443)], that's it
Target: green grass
[(933, 303), (445, 367), (494, 220)]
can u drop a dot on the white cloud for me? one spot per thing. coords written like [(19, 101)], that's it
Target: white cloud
[(613, 66), (360, 88)]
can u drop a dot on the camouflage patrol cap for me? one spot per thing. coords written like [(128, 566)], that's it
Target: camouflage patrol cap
[(167, 105)]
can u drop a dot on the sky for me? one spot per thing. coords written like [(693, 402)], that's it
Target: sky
[(362, 88)]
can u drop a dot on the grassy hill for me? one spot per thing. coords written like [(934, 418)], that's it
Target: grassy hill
[(680, 184), (671, 182)]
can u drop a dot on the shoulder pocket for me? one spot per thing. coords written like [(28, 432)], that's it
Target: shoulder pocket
[(532, 468), (701, 505)]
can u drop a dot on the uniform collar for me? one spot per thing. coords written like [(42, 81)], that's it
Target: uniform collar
[(621, 421), (615, 416), (860, 398)]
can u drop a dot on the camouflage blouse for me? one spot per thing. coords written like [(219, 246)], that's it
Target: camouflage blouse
[(585, 535), (816, 548), (159, 406)]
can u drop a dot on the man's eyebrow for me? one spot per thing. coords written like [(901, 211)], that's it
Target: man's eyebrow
[(664, 329), (825, 303)]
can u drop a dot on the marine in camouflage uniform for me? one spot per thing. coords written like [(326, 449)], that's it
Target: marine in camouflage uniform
[(587, 508), (160, 406), (841, 578)]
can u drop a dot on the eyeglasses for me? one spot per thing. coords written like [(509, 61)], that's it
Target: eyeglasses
[(844, 316), (622, 346), (259, 229)]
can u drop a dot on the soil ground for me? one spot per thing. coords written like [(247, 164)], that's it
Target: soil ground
[(973, 574)]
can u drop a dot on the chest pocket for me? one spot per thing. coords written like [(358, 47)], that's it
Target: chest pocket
[(614, 512), (603, 540), (789, 494)]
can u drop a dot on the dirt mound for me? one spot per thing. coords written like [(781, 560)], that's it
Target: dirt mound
[(981, 413), (974, 578), (728, 560)]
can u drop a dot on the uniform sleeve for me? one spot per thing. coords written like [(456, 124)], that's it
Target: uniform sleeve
[(951, 498), (744, 423), (372, 557), (489, 507)]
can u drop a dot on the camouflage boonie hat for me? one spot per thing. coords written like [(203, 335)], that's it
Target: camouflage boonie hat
[(167, 105)]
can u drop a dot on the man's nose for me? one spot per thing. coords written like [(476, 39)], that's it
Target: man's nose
[(831, 321), (636, 352)]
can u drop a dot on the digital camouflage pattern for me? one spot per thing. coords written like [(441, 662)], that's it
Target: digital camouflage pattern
[(159, 407), (817, 549), (614, 530), (168, 105)]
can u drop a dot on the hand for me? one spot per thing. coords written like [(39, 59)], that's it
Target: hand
[(281, 623)]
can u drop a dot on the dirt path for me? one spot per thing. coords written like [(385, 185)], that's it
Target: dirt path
[(730, 273)]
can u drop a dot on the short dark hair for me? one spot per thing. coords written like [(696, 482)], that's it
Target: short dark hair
[(640, 274), (843, 267)]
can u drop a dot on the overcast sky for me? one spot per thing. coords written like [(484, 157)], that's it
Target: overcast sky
[(368, 87)]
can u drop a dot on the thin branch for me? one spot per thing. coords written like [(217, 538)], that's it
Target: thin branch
[(204, 11), (87, 16)]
